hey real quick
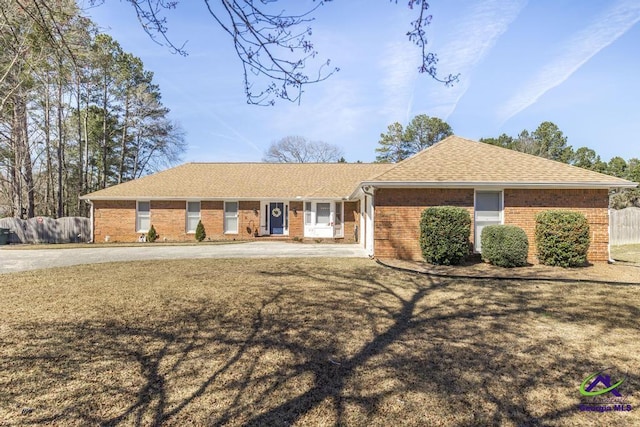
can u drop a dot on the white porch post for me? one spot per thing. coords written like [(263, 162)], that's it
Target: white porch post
[(362, 226), (369, 216)]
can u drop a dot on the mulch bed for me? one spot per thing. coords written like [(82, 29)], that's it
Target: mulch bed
[(619, 272)]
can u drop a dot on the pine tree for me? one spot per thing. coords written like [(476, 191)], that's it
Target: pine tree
[(152, 236), (200, 233)]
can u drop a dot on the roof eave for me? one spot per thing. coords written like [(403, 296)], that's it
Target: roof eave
[(499, 184), (88, 197)]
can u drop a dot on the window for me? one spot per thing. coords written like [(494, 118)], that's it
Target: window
[(143, 217), (307, 212), (323, 213), (231, 217), (338, 213), (193, 216), (488, 211)]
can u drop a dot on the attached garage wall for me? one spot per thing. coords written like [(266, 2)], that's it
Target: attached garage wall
[(398, 211), (397, 217)]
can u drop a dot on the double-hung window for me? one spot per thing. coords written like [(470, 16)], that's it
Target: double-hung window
[(231, 217), (143, 217), (323, 213), (193, 216)]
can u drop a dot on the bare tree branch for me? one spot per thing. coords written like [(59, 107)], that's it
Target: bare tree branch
[(297, 149), (274, 47)]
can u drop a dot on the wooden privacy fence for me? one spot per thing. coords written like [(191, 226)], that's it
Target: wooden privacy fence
[(625, 226), (48, 230)]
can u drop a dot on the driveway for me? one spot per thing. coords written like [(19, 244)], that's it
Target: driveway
[(33, 259)]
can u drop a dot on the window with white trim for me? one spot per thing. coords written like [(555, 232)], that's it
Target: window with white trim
[(231, 217), (307, 213), (143, 217), (323, 213), (488, 211), (193, 216)]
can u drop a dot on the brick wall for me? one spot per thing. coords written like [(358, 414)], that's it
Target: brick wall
[(296, 220), (398, 211), (117, 219), (351, 219), (212, 217), (397, 217), (522, 206)]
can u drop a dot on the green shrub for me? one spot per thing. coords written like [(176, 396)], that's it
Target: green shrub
[(562, 238), (444, 234), (152, 236), (200, 233), (504, 245)]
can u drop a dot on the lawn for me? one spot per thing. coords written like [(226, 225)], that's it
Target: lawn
[(308, 342), (626, 253)]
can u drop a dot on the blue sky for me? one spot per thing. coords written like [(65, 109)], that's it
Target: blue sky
[(520, 63)]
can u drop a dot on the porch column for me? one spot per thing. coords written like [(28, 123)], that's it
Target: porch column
[(369, 216)]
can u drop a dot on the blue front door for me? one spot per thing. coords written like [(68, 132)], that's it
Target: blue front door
[(276, 221)]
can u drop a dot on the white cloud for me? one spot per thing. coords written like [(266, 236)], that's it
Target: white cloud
[(400, 70), (468, 41), (581, 47)]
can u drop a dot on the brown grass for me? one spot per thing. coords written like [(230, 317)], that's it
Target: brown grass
[(307, 342)]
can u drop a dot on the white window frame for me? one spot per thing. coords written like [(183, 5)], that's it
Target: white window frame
[(476, 235), (338, 213), (237, 217), (138, 216), (329, 219), (188, 216), (308, 213)]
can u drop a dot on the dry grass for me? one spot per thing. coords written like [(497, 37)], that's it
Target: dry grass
[(307, 342)]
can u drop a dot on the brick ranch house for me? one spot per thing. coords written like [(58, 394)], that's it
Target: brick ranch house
[(377, 205)]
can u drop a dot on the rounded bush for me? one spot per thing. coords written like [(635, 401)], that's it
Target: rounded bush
[(562, 238), (504, 245), (444, 234)]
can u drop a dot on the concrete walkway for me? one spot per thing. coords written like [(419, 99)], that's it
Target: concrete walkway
[(34, 259)]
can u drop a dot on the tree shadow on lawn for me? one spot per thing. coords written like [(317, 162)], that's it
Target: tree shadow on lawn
[(368, 346)]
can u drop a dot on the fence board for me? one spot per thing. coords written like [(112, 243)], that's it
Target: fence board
[(48, 230), (625, 226)]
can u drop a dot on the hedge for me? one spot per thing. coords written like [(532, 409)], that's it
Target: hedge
[(444, 234), (562, 238), (504, 245)]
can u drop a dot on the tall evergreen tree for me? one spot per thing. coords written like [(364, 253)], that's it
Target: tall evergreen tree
[(399, 143)]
